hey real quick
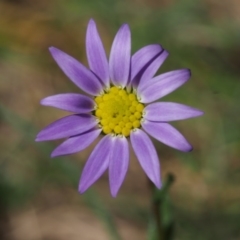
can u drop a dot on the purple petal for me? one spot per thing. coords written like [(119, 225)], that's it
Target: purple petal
[(162, 85), (96, 164), (67, 126), (76, 72), (169, 111), (77, 143), (119, 62), (118, 164), (167, 134), (71, 102), (141, 58), (96, 54), (147, 155), (153, 67)]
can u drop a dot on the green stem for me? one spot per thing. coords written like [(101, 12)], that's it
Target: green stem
[(155, 208), (164, 231)]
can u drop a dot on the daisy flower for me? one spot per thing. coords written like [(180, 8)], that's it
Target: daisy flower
[(120, 106)]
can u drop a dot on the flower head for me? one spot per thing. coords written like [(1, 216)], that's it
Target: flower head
[(120, 108)]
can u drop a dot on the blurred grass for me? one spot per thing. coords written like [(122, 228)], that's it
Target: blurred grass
[(201, 35), (52, 174)]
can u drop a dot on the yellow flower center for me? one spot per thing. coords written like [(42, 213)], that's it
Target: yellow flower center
[(118, 111)]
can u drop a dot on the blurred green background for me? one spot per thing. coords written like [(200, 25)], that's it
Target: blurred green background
[(38, 195)]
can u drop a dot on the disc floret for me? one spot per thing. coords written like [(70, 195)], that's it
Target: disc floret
[(118, 111)]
